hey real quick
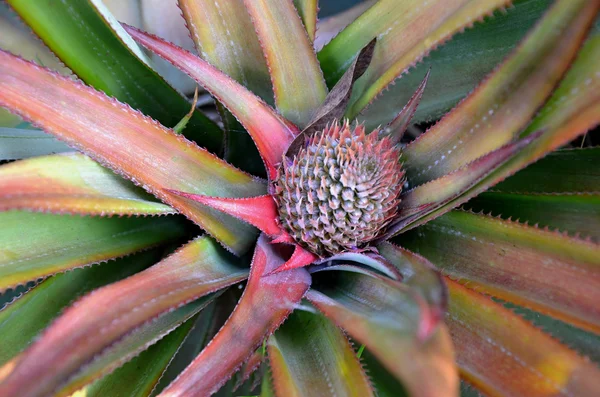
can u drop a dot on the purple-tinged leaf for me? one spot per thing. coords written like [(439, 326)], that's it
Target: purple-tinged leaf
[(575, 213), (365, 258), (39, 245), (431, 199), (497, 111), (260, 211), (78, 340), (72, 184), (407, 31), (397, 127), (298, 83), (130, 143), (391, 320), (332, 110), (310, 356), (418, 273), (224, 36), (271, 133), (308, 9), (266, 302), (249, 367), (540, 269), (300, 258), (504, 355)]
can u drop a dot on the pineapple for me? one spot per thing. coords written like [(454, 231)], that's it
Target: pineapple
[(305, 244)]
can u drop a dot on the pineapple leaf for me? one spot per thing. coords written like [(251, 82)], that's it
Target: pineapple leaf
[(497, 111), (124, 139), (392, 321), (45, 301), (38, 245), (397, 127), (271, 133), (562, 171), (406, 32), (240, 57), (309, 355), (575, 213), (18, 143), (502, 354), (334, 106), (74, 184), (85, 30), (308, 9), (265, 303), (260, 212), (539, 269), (419, 203), (298, 82), (139, 377), (79, 347)]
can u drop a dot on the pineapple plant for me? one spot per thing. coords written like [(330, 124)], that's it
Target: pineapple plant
[(305, 245)]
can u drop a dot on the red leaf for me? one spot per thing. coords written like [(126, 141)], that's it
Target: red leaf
[(266, 302)]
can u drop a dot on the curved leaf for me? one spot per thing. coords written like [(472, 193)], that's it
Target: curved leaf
[(406, 32), (76, 30), (543, 270), (563, 171), (17, 143), (39, 245), (577, 213), (80, 345), (390, 322), (130, 143), (298, 83), (503, 355), (266, 302), (139, 377), (271, 133), (223, 34), (310, 356), (73, 184), (503, 105), (22, 320)]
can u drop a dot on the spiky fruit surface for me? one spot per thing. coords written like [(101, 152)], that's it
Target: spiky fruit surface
[(340, 190)]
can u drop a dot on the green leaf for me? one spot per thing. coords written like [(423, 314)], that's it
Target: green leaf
[(298, 83), (577, 213), (543, 270), (239, 56), (73, 184), (309, 356), (497, 111), (308, 10), (139, 377), (388, 318), (563, 171), (38, 245), (457, 66), (267, 300), (385, 384), (406, 31), (501, 354), (18, 143), (25, 318), (82, 33), (131, 144), (127, 317)]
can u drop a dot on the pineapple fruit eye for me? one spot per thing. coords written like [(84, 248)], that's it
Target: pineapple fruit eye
[(340, 190)]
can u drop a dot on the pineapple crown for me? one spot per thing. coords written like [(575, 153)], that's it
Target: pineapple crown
[(340, 190)]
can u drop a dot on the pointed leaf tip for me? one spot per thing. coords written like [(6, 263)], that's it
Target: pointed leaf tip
[(271, 133), (260, 211), (396, 128), (300, 258)]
